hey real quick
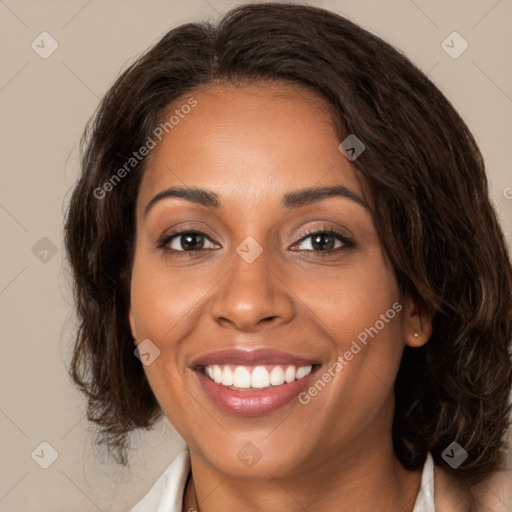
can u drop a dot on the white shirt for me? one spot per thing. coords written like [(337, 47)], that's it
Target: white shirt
[(166, 495)]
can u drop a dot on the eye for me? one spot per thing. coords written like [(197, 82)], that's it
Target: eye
[(186, 241), (326, 241), (321, 241)]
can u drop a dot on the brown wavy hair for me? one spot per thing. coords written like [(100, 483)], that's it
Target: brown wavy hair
[(432, 211)]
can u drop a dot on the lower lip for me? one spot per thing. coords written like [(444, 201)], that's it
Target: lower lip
[(252, 403)]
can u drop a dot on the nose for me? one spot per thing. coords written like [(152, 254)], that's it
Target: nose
[(252, 296)]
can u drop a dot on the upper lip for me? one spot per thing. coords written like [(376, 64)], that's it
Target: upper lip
[(259, 356)]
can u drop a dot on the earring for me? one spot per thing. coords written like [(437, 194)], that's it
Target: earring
[(416, 335)]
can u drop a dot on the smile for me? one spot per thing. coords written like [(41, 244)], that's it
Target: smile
[(252, 382)]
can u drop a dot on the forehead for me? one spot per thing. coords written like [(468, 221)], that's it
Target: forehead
[(249, 141)]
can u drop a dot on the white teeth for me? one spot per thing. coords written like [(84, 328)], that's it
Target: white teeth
[(217, 374), (277, 376), (241, 377), (227, 377), (289, 374), (302, 371), (260, 377)]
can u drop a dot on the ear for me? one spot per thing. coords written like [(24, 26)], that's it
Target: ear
[(417, 323)]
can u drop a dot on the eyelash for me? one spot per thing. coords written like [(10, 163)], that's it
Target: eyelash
[(348, 243)]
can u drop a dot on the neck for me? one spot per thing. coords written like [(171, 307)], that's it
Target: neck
[(361, 478)]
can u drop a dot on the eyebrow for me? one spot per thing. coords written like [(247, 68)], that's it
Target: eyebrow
[(295, 199), (308, 196)]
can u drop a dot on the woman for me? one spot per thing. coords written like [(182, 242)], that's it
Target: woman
[(292, 225)]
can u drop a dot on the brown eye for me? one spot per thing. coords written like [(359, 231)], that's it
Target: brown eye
[(187, 241), (323, 241)]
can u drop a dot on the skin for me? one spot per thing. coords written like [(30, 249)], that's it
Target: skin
[(251, 145)]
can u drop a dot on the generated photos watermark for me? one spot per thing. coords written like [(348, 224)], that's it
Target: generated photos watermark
[(151, 142), (147, 352), (355, 348), (454, 455)]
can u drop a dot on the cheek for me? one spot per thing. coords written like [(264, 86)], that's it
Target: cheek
[(359, 312), (353, 300), (166, 305), (165, 300), (162, 312)]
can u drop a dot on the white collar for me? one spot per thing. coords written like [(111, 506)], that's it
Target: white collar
[(166, 495), (425, 499)]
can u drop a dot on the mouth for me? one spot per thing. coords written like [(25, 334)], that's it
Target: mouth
[(253, 383)]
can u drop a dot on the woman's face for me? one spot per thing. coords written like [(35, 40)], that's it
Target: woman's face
[(275, 270)]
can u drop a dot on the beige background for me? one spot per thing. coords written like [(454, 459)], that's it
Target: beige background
[(44, 106)]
